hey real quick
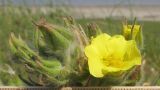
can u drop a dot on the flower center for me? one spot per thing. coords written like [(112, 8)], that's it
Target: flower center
[(113, 61)]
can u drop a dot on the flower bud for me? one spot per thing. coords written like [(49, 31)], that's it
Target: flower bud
[(133, 32), (52, 36)]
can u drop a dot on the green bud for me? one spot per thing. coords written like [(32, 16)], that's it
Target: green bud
[(56, 40)]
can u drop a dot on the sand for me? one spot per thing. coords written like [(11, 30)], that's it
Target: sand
[(151, 13), (141, 12)]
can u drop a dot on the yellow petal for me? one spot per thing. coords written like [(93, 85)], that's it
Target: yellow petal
[(94, 56), (95, 52), (132, 56), (103, 38), (117, 46), (110, 69), (95, 67), (91, 51), (97, 47)]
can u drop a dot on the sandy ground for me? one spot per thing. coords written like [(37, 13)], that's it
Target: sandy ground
[(141, 12)]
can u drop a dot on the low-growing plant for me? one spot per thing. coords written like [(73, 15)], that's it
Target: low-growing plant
[(72, 56)]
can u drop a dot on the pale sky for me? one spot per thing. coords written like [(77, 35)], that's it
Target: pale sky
[(88, 2)]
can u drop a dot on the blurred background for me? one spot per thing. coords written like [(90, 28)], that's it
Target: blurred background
[(17, 16)]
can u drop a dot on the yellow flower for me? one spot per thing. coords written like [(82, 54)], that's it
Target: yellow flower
[(127, 31), (108, 54)]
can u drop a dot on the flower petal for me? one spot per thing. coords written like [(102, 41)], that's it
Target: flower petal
[(103, 38), (91, 51), (117, 46), (110, 69), (97, 47), (132, 56), (95, 67)]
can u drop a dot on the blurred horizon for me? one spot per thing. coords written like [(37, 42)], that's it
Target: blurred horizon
[(80, 2)]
